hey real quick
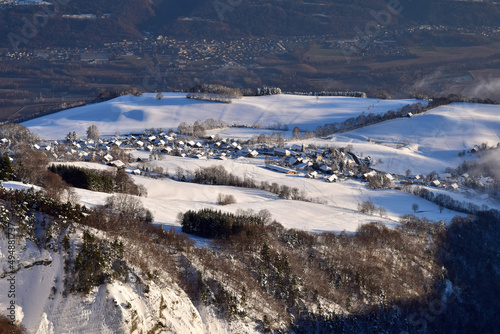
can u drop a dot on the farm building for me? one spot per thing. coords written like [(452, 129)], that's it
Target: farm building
[(281, 169)]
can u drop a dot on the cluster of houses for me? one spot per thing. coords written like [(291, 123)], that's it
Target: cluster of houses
[(110, 150), (332, 165), (329, 164), (447, 181)]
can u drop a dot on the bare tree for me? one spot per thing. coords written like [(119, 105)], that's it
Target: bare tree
[(415, 207), (179, 173), (130, 206), (265, 215), (30, 165), (223, 199), (367, 207), (382, 212)]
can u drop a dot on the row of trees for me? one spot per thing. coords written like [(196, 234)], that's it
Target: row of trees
[(218, 175), (332, 93), (84, 178), (268, 91), (414, 109), (216, 90), (210, 97), (364, 120), (209, 223), (97, 180)]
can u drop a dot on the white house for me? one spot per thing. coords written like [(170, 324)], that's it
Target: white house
[(117, 163), (108, 157), (332, 178), (312, 175), (252, 154), (281, 152), (326, 169)]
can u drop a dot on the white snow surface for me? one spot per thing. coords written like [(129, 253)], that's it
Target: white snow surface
[(339, 214), (129, 114)]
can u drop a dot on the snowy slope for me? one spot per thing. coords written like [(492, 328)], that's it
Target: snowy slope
[(166, 198), (339, 214), (430, 141), (134, 114)]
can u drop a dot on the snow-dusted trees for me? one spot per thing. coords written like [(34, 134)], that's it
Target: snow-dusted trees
[(17, 134), (93, 132), (217, 90), (332, 93), (198, 128), (72, 136), (380, 181), (268, 91), (209, 97), (296, 132)]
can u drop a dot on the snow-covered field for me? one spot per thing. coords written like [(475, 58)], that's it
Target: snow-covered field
[(341, 212), (128, 114)]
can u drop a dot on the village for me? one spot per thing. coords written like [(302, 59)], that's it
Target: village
[(326, 164)]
